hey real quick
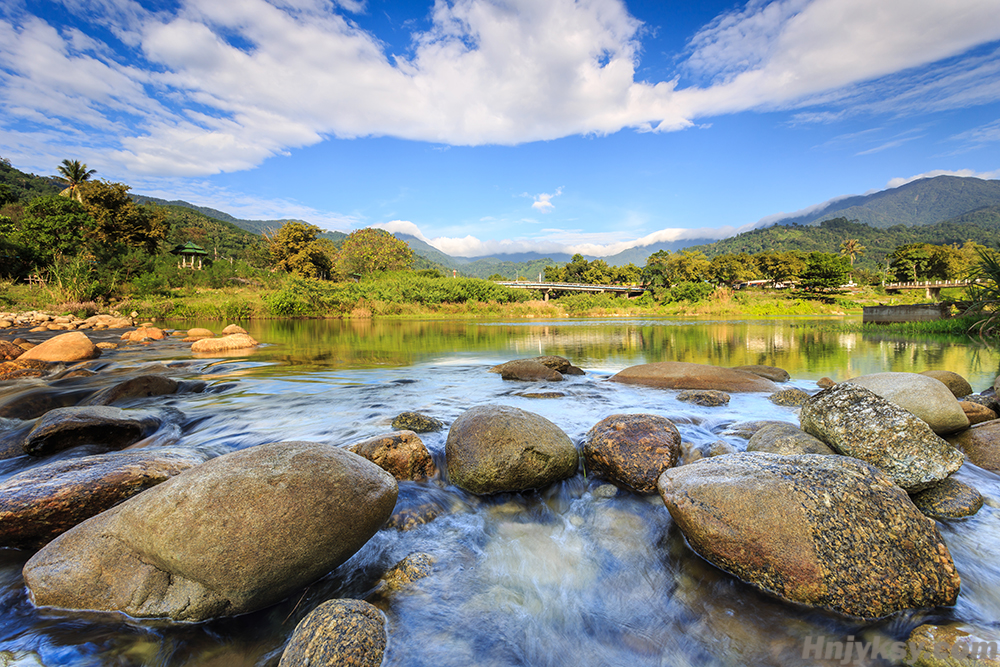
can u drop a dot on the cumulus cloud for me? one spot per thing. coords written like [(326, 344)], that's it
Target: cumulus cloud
[(966, 173), (543, 201), (211, 87)]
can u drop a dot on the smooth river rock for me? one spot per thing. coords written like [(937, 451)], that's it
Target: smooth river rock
[(926, 397), (141, 386), (527, 370), (402, 454), (347, 633), (827, 531), (235, 534), (43, 502), (102, 425), (708, 398), (497, 448), (770, 372), (981, 444), (235, 341), (9, 351), (857, 422), (977, 413), (957, 385), (786, 439), (72, 346), (632, 450), (416, 422), (686, 375)]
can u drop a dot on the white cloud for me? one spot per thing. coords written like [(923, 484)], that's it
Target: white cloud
[(966, 173), (217, 87), (543, 201)]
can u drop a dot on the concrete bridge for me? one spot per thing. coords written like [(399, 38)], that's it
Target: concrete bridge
[(547, 288), (932, 288)]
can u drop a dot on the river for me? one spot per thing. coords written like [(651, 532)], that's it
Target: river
[(564, 576)]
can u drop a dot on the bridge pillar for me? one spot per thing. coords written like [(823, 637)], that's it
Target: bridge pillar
[(933, 293), (545, 294)]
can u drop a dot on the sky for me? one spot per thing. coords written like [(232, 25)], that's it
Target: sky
[(493, 126)]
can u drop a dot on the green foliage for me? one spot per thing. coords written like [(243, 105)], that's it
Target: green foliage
[(984, 294), (51, 226), (27, 186), (119, 223), (74, 174), (294, 248), (76, 278), (851, 248), (824, 271), (581, 303), (910, 262), (691, 292), (780, 267), (366, 251), (732, 269)]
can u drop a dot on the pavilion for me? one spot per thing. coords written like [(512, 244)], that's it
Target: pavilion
[(189, 250)]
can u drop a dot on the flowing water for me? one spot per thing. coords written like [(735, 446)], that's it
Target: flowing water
[(575, 574)]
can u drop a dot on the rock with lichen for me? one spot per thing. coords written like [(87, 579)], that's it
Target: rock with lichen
[(948, 499), (338, 632), (632, 450)]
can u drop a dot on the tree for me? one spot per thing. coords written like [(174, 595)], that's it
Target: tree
[(656, 274), (630, 274), (294, 248), (780, 267), (688, 267), (555, 274), (598, 273), (733, 268), (371, 250), (824, 271), (910, 262), (51, 226), (74, 173), (852, 248), (574, 270), (7, 195), (119, 223)]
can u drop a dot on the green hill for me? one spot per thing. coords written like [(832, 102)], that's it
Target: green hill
[(26, 186)]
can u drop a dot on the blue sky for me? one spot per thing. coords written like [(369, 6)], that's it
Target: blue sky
[(487, 126)]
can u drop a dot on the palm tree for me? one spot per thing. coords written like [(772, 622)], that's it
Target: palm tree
[(852, 248), (74, 173)]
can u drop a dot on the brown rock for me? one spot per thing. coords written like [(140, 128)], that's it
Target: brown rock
[(772, 373), (201, 333), (402, 454), (40, 503), (952, 645), (21, 368), (237, 341), (786, 439), (72, 346), (418, 504), (709, 398), (685, 375), (632, 450), (828, 531), (948, 499), (748, 428), (405, 572), (109, 427), (338, 632), (789, 397), (9, 350), (142, 333), (142, 386), (34, 403), (976, 413), (561, 364), (233, 329), (229, 536), (498, 448), (825, 383), (416, 422), (957, 384), (527, 370), (980, 444), (105, 345), (926, 397)]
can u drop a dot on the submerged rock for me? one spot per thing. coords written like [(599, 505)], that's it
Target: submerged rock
[(786, 439), (789, 397), (73, 346), (497, 448), (142, 386), (527, 370), (953, 645), (686, 375), (402, 574), (981, 444), (416, 422), (561, 364), (43, 502), (9, 351), (20, 369), (109, 427), (338, 632), (632, 450), (235, 534), (827, 531), (709, 398), (948, 499), (402, 454), (857, 422), (927, 398), (772, 373)]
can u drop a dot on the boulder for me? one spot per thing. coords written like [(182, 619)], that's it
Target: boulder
[(232, 535), (786, 439), (985, 401), (948, 499), (956, 384), (236, 341), (686, 375), (416, 422), (789, 397), (107, 322), (231, 329), (338, 632), (772, 373), (142, 386), (43, 502), (857, 422), (632, 450), (527, 370), (144, 333), (105, 345), (21, 369), (561, 364), (976, 413), (72, 346), (9, 350), (927, 398), (497, 448), (721, 448), (825, 383), (198, 332), (980, 444), (747, 429), (826, 531), (401, 454), (109, 427), (709, 398)]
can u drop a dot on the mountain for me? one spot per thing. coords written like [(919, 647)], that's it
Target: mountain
[(24, 186), (921, 202)]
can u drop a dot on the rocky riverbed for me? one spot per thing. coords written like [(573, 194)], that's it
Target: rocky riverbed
[(858, 508)]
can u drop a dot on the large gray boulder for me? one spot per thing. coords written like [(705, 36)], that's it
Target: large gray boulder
[(926, 397), (235, 534), (686, 375), (497, 448), (632, 450), (42, 502), (827, 531), (857, 422)]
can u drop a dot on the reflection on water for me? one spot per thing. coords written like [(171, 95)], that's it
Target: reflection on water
[(573, 575)]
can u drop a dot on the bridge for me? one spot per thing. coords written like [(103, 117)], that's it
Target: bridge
[(547, 288), (931, 287)]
